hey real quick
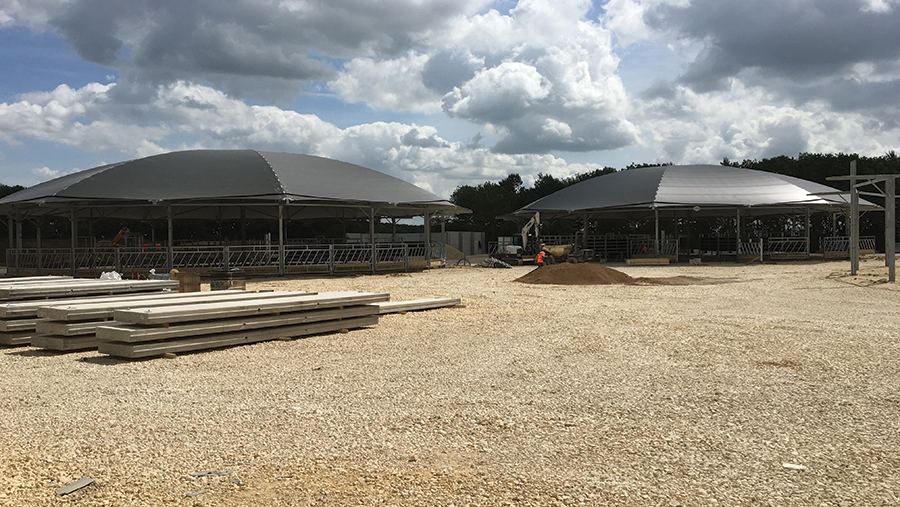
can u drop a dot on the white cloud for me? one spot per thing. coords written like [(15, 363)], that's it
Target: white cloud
[(498, 93), (394, 84), (84, 118)]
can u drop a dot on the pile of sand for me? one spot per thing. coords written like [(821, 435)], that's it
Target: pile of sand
[(576, 274), (595, 274)]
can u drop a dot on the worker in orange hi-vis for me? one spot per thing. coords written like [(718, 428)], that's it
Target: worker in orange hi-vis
[(541, 256)]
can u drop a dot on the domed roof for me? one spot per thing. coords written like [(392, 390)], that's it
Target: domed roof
[(221, 177), (708, 188)]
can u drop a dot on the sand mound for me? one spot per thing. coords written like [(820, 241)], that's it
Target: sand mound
[(576, 274), (595, 274)]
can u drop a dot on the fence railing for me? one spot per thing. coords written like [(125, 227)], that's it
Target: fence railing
[(297, 257), (793, 247), (840, 245)]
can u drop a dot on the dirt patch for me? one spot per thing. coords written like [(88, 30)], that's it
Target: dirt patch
[(595, 274)]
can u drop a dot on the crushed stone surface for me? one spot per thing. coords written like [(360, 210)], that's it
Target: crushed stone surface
[(777, 388)]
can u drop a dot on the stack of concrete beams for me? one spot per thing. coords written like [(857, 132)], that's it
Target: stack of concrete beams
[(172, 329), (21, 297), (72, 324)]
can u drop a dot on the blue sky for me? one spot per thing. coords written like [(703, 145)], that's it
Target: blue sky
[(442, 93)]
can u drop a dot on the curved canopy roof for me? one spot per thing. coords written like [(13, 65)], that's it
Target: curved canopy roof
[(704, 189), (198, 180)]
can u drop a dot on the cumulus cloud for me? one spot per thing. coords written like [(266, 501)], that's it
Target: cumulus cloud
[(542, 64), (261, 48), (535, 77), (83, 118), (393, 85), (803, 49)]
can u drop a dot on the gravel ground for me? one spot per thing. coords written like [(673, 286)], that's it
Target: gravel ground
[(658, 395)]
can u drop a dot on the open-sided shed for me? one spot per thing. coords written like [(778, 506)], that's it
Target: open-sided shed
[(684, 191), (226, 184)]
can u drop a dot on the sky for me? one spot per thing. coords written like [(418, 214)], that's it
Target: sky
[(442, 93)]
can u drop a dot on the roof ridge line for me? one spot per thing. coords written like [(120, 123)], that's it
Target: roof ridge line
[(274, 173)]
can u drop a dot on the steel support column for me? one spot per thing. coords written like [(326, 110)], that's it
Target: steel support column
[(656, 234), (170, 244), (890, 249), (40, 261), (807, 233), (427, 240), (73, 219), (373, 239), (854, 221), (281, 263)]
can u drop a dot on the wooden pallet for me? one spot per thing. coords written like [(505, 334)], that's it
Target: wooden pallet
[(416, 304)]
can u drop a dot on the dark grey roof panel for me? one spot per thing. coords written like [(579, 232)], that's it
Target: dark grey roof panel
[(229, 177), (307, 176), (632, 192)]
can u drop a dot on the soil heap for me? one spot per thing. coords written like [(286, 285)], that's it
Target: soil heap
[(576, 274)]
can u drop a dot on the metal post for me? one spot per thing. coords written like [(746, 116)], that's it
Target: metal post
[(281, 264), (373, 239), (890, 250), (40, 263), (170, 246), (854, 221), (427, 240), (331, 258), (11, 245), (656, 234), (737, 222), (444, 240), (807, 233), (74, 222), (18, 241), (405, 257)]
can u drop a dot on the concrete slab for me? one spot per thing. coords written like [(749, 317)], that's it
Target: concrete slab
[(229, 309), (149, 349)]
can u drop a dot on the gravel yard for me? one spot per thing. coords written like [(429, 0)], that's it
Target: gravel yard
[(656, 394)]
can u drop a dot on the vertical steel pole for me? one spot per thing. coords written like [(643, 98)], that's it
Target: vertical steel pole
[(281, 263), (444, 240), (427, 240), (854, 221), (656, 233), (373, 239), (74, 222), (807, 233), (18, 241), (40, 263), (890, 206), (170, 234), (737, 228)]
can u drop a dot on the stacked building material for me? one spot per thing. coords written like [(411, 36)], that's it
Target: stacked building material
[(145, 332), (21, 297), (72, 325), (416, 305)]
